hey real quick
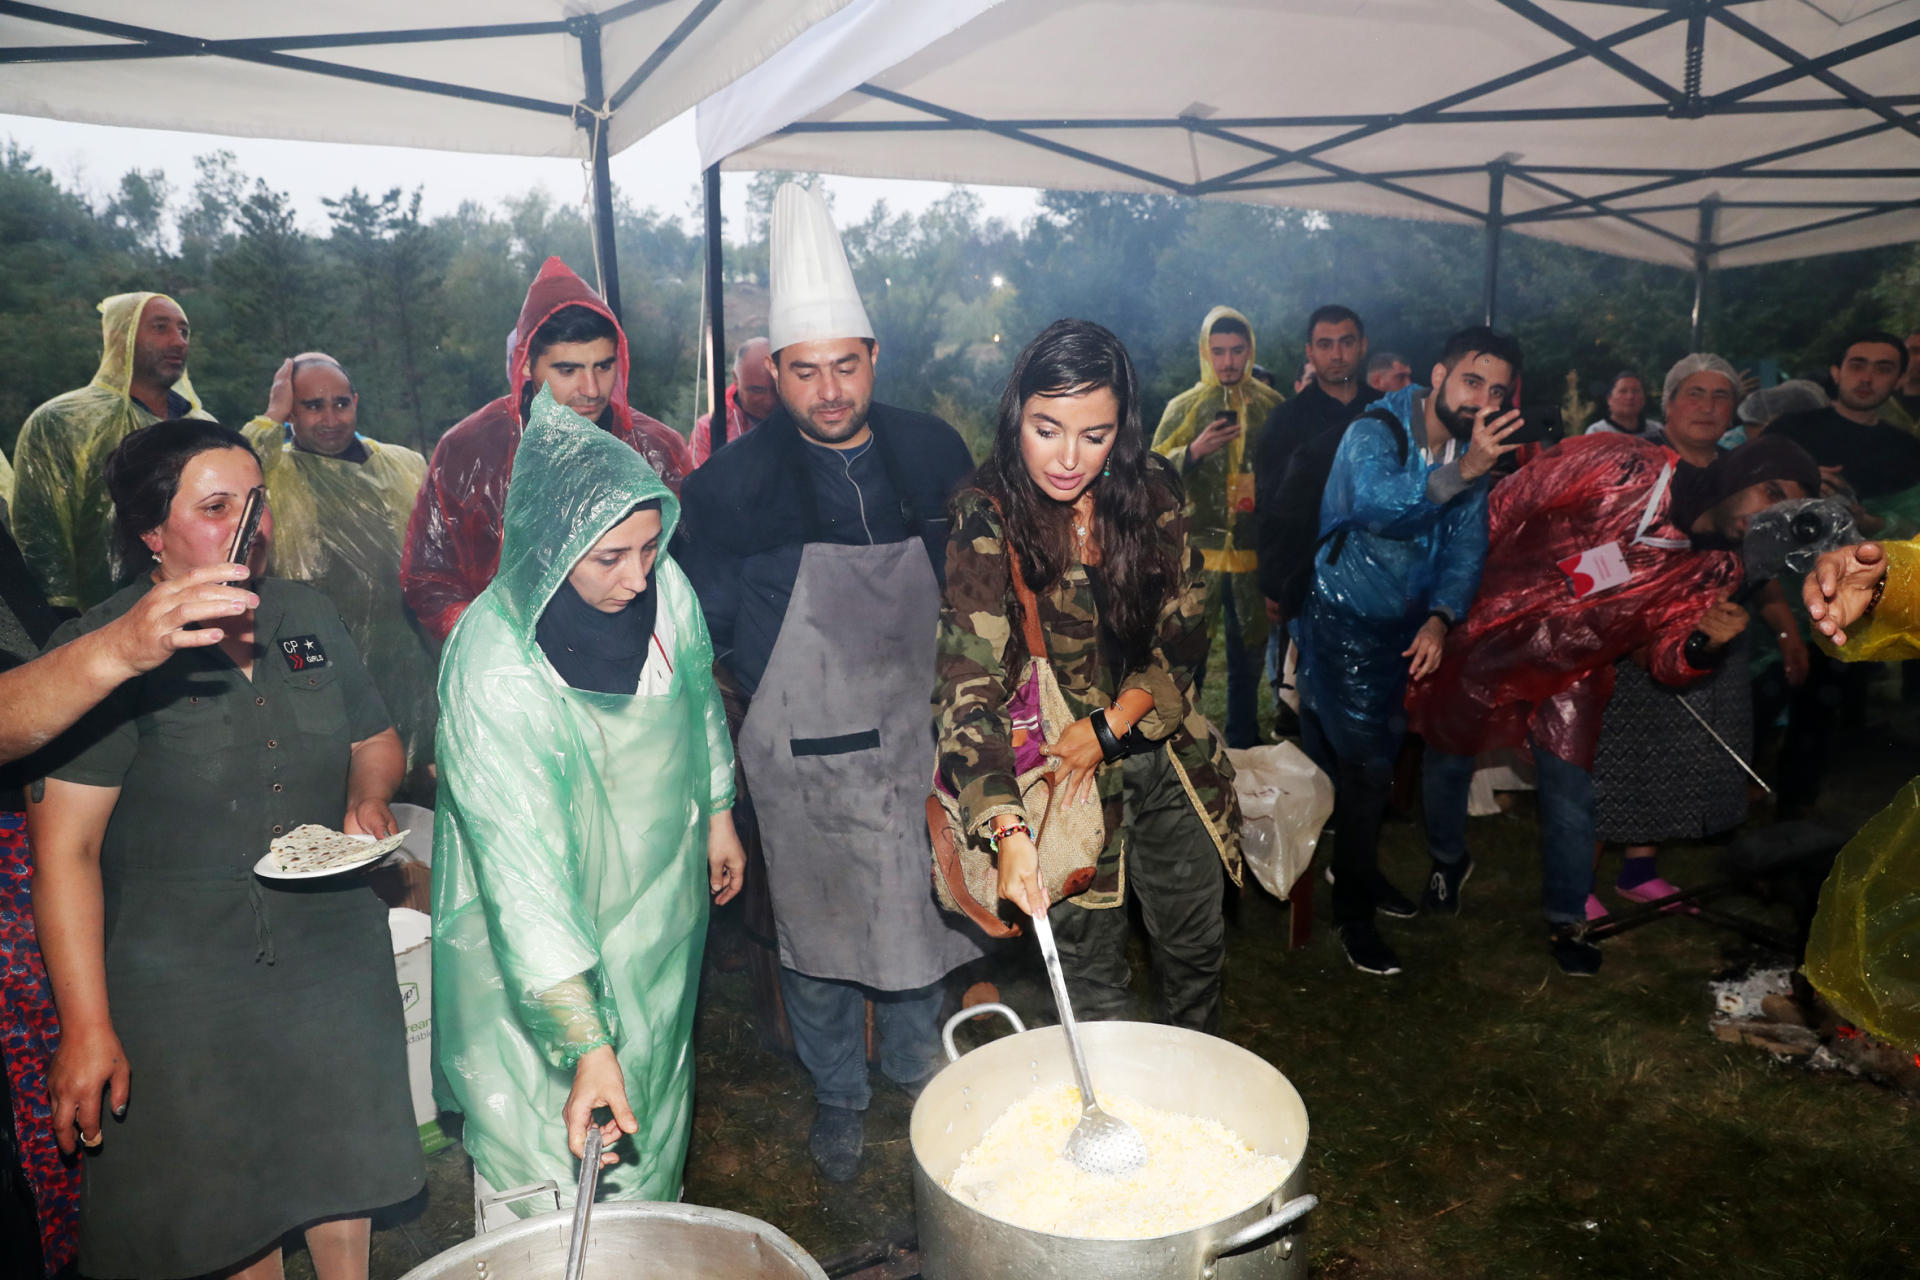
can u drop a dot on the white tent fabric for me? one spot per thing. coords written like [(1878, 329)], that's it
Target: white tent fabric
[(1601, 123), (246, 68)]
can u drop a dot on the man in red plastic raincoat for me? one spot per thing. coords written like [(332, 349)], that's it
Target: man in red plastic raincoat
[(1601, 547), (750, 400), (568, 341)]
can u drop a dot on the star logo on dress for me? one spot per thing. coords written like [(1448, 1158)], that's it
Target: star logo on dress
[(302, 652)]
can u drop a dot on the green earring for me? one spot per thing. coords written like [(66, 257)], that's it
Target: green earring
[(1106, 470)]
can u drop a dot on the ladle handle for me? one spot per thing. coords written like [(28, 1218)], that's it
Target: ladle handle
[(1043, 931), (583, 1203)]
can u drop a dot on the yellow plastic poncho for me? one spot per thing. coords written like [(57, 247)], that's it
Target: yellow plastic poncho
[(1220, 485), (570, 874), (1863, 954), (6, 491), (339, 526), (62, 516)]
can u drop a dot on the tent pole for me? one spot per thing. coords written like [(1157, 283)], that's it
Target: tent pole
[(716, 311), (1702, 260), (1496, 193), (586, 29)]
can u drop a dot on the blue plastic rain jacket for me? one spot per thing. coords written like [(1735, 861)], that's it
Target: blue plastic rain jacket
[(1403, 536)]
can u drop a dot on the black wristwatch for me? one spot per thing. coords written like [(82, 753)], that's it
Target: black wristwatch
[(1700, 653), (1446, 620)]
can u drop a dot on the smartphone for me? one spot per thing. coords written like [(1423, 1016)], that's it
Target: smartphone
[(1543, 427), (1231, 415), (249, 530)]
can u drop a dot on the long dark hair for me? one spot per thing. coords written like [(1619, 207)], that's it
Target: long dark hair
[(143, 475), (1072, 357)]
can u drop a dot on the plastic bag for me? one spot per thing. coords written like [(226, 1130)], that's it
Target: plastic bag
[(1284, 802)]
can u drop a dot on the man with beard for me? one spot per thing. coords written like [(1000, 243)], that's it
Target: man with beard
[(1601, 547), (750, 399), (567, 340), (61, 511), (341, 503), (816, 544), (1403, 529)]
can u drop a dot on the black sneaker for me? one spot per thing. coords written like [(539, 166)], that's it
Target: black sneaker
[(1578, 958), (837, 1139), (1388, 900), (1442, 897), (1367, 951)]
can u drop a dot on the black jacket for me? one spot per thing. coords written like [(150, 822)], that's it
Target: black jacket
[(747, 513), (1289, 512)]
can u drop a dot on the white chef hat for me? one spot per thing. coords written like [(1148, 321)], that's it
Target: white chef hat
[(814, 298)]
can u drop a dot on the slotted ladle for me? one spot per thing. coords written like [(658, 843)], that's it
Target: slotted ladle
[(1100, 1143)]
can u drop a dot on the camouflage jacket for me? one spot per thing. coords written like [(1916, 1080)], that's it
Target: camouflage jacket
[(980, 661)]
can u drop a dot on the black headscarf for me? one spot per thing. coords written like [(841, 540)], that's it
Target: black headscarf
[(1697, 490), (596, 651)]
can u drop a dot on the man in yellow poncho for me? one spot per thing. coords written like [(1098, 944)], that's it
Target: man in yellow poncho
[(1863, 953), (340, 508), (1211, 431), (60, 505)]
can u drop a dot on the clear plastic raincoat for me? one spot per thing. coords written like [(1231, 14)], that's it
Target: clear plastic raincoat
[(570, 874), (1864, 951), (62, 515), (338, 526), (453, 539)]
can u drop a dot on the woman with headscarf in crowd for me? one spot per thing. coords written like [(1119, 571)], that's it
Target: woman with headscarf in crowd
[(1627, 409), (1097, 526), (586, 796), (246, 1034), (1658, 774)]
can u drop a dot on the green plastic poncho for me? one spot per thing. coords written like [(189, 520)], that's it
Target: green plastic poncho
[(339, 527), (1863, 953), (62, 516), (570, 874)]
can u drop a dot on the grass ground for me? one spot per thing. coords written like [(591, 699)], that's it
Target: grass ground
[(1480, 1115)]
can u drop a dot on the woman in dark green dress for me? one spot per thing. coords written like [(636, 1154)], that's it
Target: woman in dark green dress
[(246, 1034)]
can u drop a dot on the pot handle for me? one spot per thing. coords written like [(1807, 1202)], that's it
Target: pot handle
[(1286, 1215), (946, 1032)]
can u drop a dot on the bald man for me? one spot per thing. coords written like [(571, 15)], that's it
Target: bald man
[(751, 399)]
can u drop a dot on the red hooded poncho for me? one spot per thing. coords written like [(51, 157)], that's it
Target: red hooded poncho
[(453, 538), (1530, 657)]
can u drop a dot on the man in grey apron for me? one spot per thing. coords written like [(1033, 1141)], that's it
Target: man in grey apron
[(816, 544)]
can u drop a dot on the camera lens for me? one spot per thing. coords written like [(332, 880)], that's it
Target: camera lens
[(1808, 527)]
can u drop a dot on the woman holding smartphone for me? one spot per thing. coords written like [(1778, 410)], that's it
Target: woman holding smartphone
[(1097, 525), (232, 1048)]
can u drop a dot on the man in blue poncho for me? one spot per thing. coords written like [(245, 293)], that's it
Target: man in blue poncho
[(1403, 531)]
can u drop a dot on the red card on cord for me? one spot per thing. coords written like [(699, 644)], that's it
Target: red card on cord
[(1596, 569)]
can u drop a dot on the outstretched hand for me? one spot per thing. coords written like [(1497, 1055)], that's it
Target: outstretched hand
[(1839, 590), (164, 621)]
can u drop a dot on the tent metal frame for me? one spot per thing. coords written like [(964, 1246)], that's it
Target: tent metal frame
[(590, 115), (1684, 101)]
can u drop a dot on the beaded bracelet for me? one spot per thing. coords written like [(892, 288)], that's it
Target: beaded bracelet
[(1879, 589), (994, 837)]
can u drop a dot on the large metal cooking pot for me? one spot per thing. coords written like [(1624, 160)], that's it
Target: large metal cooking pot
[(1168, 1067), (630, 1240)]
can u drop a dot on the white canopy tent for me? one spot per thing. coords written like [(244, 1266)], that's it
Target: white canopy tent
[(1693, 132), (578, 78)]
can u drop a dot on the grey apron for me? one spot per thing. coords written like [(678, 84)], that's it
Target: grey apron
[(838, 750)]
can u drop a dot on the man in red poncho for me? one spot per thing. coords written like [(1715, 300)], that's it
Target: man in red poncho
[(750, 400), (1601, 547), (569, 341)]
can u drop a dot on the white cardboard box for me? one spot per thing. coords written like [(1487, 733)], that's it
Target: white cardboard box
[(413, 967)]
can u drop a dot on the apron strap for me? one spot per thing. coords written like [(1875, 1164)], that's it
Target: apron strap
[(1640, 537)]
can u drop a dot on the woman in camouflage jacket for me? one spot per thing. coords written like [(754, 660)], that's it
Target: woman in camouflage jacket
[(1099, 527)]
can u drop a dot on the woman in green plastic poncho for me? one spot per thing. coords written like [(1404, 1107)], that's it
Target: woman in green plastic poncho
[(586, 785)]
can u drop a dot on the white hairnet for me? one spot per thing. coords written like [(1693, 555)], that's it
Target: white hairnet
[(1792, 396), (1698, 362)]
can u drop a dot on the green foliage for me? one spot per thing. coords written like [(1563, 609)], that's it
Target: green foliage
[(419, 309)]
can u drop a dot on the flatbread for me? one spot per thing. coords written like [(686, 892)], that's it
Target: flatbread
[(312, 848)]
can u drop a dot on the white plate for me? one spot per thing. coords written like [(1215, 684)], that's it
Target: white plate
[(377, 850)]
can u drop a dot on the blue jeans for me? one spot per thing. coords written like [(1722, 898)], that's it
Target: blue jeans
[(1243, 679), (1566, 825), (829, 1021)]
